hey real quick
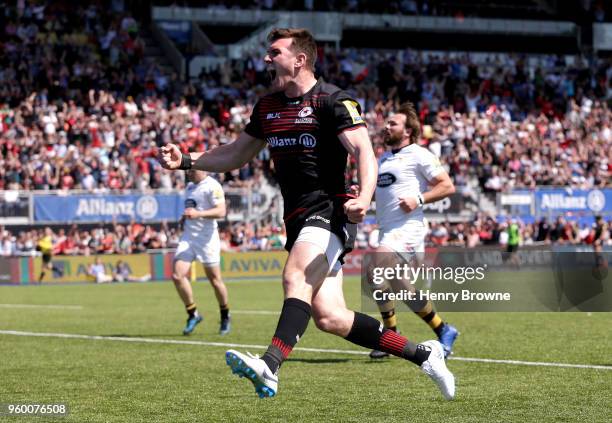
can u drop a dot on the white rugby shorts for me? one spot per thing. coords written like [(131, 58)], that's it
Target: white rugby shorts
[(327, 241), (408, 238), (206, 250)]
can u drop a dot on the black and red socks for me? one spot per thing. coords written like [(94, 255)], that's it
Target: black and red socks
[(291, 326), (370, 333)]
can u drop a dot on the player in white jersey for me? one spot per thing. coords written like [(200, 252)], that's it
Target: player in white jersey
[(204, 203), (409, 176)]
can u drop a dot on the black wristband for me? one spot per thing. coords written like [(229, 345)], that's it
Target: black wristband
[(420, 199), (186, 162)]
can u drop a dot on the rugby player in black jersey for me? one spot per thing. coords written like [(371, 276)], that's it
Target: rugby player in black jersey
[(310, 127)]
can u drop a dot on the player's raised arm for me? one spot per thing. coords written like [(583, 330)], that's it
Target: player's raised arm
[(357, 143), (221, 159)]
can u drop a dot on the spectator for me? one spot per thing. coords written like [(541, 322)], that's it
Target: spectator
[(98, 272), (123, 273)]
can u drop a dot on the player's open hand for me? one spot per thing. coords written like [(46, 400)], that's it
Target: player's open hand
[(408, 204), (355, 209), (170, 156)]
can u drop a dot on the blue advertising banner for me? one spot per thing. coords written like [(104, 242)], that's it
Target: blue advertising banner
[(517, 203), (105, 208), (567, 200), (572, 204)]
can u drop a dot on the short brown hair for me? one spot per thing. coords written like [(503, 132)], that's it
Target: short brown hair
[(412, 120), (303, 42)]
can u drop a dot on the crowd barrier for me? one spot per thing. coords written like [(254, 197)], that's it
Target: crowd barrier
[(26, 270)]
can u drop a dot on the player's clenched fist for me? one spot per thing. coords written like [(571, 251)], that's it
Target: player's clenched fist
[(190, 213), (408, 204), (170, 156), (355, 209)]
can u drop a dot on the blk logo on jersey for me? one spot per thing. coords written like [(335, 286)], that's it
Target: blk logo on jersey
[(385, 180), (190, 203), (273, 116)]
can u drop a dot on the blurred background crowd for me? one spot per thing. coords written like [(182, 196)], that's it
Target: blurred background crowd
[(83, 108)]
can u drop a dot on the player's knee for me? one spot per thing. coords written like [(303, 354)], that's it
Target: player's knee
[(330, 321), (292, 278), (216, 281), (177, 277)]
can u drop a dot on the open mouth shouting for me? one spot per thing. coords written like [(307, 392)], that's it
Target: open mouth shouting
[(271, 76)]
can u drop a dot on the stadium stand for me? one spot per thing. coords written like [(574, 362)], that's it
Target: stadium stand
[(83, 109), (537, 9)]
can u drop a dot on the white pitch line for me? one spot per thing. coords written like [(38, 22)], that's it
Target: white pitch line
[(263, 347), (54, 306), (532, 363), (79, 307)]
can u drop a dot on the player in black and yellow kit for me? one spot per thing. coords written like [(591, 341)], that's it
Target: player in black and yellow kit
[(45, 246)]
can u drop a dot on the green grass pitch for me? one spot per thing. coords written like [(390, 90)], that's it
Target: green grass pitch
[(114, 381)]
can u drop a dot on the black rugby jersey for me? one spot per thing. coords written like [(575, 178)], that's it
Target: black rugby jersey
[(302, 135)]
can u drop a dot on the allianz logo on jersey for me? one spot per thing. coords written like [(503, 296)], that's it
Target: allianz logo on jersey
[(307, 140)]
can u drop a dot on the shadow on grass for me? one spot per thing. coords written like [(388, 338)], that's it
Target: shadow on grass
[(378, 361)]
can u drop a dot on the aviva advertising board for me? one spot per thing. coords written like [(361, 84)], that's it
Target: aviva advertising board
[(253, 264), (256, 264), (75, 267)]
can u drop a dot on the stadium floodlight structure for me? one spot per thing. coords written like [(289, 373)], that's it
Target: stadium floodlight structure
[(365, 28)]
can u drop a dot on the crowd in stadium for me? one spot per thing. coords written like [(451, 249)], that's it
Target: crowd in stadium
[(134, 238), (94, 121), (138, 238), (82, 108), (119, 239)]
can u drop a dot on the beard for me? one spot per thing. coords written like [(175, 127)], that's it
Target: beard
[(391, 140)]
